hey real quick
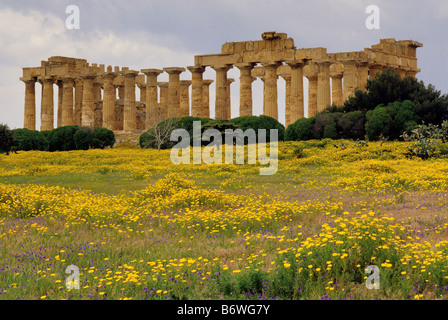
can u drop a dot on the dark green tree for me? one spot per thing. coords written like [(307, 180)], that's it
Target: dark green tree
[(7, 142)]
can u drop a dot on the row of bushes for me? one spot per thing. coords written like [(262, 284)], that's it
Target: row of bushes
[(60, 139), (383, 121), (159, 136)]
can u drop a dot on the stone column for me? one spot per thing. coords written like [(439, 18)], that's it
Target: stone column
[(173, 91), (130, 111), (184, 110), (287, 79), (163, 101), (97, 89), (60, 94), (142, 88), (151, 97), (362, 75), (374, 69), (78, 101), (121, 92), (262, 78), (67, 102), (221, 90), (246, 80), (197, 100), (30, 104), (47, 107), (206, 98), (270, 89), (349, 78), (323, 85), (297, 109), (336, 91), (228, 99), (109, 99), (312, 95), (88, 102)]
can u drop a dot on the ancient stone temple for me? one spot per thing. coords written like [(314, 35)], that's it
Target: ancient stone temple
[(93, 95)]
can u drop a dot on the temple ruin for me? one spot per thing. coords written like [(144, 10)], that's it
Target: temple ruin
[(87, 93)]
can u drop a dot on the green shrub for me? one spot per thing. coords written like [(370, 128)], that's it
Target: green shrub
[(331, 131), (82, 139), (102, 138), (62, 138), (378, 123), (30, 140), (260, 122), (302, 129)]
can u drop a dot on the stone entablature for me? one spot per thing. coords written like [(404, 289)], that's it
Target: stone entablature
[(93, 95)]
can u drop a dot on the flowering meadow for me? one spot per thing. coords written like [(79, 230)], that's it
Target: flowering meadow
[(139, 227)]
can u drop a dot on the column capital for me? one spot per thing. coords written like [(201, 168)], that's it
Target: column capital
[(28, 80), (222, 67), (336, 75), (207, 82), (230, 80), (286, 77), (271, 64), (68, 81), (245, 65), (109, 75), (196, 69), (296, 63), (129, 73), (88, 76), (174, 70), (163, 84), (323, 62), (149, 72), (185, 82), (46, 78)]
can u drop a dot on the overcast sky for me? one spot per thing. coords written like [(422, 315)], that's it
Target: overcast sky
[(144, 34)]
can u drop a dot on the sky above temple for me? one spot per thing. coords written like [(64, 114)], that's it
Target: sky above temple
[(144, 34)]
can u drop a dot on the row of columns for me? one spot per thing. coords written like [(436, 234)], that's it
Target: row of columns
[(320, 93), (77, 98)]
